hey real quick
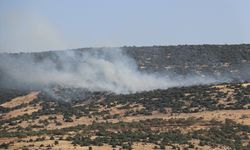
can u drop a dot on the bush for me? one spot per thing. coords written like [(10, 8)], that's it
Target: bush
[(56, 142)]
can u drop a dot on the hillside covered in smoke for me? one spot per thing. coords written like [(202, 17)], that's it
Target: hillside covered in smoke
[(164, 97), (126, 69)]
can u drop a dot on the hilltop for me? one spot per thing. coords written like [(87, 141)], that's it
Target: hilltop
[(218, 61)]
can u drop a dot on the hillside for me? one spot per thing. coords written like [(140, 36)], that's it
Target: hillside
[(58, 115), (205, 117), (219, 61)]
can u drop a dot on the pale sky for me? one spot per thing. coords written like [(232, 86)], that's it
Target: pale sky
[(41, 25)]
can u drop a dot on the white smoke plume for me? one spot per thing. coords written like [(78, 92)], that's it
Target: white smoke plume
[(96, 70)]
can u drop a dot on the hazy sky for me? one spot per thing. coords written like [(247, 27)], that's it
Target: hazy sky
[(36, 25)]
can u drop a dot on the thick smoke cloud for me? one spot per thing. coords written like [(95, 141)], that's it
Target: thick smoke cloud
[(96, 70)]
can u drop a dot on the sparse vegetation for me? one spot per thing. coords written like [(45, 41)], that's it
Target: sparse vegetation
[(194, 117)]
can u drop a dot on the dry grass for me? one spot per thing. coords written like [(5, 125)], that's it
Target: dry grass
[(143, 146), (206, 147), (239, 116), (219, 115), (80, 121), (37, 145), (52, 125), (223, 88), (19, 112), (20, 100), (245, 84)]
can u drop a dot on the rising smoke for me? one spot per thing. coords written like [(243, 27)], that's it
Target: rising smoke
[(96, 70)]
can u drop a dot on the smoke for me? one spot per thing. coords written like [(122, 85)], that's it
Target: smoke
[(96, 70)]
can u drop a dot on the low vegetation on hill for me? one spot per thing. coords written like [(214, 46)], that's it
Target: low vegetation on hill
[(202, 116), (56, 116)]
